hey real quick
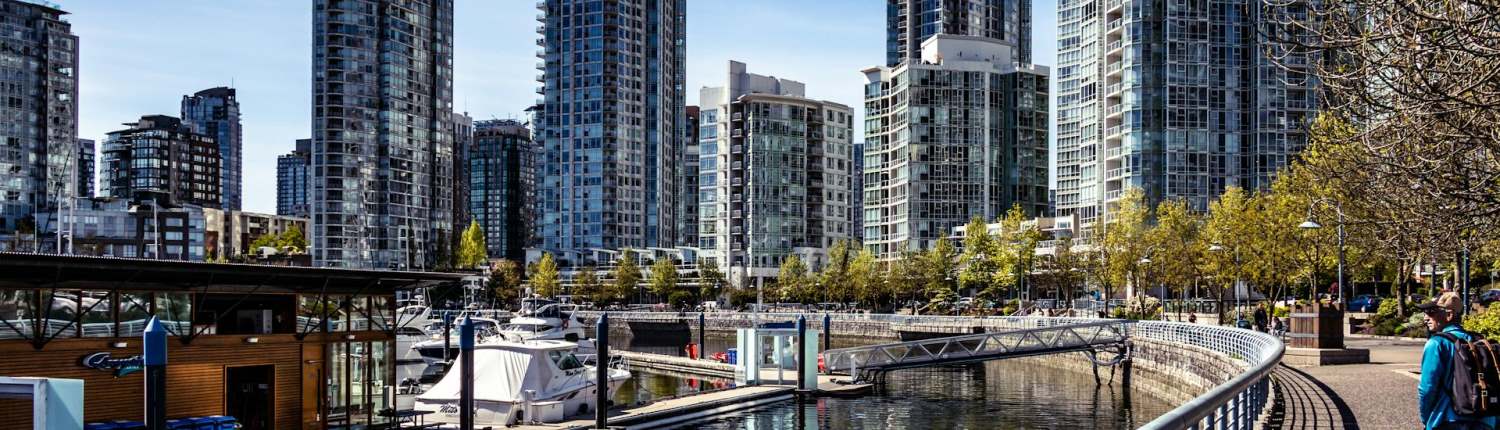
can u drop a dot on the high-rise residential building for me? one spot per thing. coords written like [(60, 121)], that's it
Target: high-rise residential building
[(85, 165), (775, 176), (857, 194), (463, 143), (292, 175), (909, 23), (382, 143), (216, 113), (502, 186), (959, 133), (609, 121), (39, 120), (1178, 101), (161, 159), (687, 200)]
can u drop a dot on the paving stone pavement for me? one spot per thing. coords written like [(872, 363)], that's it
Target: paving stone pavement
[(1380, 395)]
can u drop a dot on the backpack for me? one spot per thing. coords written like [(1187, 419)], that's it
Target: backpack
[(1476, 376)]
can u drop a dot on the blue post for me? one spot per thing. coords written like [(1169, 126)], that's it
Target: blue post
[(801, 348), (827, 332), (702, 328), (466, 359), (154, 342), (601, 374)]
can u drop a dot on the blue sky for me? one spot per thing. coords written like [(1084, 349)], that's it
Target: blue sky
[(140, 57)]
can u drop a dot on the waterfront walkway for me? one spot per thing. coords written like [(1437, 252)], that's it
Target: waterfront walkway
[(1379, 395)]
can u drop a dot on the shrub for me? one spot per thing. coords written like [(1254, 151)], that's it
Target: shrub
[(1484, 323), (1387, 321), (1282, 312)]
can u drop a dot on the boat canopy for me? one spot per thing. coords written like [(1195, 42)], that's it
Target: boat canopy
[(502, 372)]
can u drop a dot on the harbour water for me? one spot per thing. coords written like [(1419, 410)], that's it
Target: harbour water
[(994, 395)]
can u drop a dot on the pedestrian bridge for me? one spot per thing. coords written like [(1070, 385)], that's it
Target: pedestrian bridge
[(870, 362)]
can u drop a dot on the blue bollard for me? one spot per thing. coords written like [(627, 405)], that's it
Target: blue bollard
[(154, 342), (466, 360), (827, 332), (799, 353), (601, 374), (702, 328)]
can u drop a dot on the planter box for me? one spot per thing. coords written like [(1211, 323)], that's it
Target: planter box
[(1317, 325)]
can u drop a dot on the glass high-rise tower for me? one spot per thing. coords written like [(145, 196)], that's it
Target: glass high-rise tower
[(215, 112), (39, 121), (382, 144), (610, 122), (1179, 101), (911, 22), (291, 180), (502, 184)]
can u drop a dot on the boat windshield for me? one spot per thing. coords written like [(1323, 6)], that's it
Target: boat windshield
[(565, 361), (526, 327)]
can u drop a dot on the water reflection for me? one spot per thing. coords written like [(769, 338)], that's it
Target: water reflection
[(995, 395)]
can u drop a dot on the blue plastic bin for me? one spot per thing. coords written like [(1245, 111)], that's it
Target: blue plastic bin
[(220, 422), (129, 425), (101, 426), (734, 356)]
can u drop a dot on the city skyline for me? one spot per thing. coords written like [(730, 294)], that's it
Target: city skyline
[(492, 80)]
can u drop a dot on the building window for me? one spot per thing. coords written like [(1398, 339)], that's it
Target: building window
[(17, 312), (98, 314)]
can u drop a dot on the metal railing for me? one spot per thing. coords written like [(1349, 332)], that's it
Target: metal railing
[(863, 362), (1232, 404)]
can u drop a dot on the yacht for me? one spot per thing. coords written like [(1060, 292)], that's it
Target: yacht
[(541, 319), (521, 382), (431, 350)]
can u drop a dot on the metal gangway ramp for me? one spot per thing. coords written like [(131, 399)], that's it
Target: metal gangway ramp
[(868, 363)]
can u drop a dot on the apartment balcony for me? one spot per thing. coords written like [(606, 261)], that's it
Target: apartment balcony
[(1113, 89), (1111, 5), (1114, 46), (1112, 195), (1112, 26), (1115, 152), (1114, 109), (737, 132), (1116, 173), (1114, 131)]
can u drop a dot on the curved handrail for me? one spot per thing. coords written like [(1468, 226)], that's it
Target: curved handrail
[(1225, 403), (1231, 404)]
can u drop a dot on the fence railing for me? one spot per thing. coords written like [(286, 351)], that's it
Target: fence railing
[(1232, 404)]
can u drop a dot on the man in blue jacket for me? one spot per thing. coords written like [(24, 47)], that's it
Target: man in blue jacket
[(1435, 392)]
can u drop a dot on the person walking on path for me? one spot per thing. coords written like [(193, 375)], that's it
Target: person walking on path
[(1260, 318), (1435, 392)]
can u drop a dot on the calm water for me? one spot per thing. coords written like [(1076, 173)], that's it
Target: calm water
[(994, 395)]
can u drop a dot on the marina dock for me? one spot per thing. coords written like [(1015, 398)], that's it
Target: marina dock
[(681, 409)]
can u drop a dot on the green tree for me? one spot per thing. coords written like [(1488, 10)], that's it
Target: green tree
[(505, 281), (1125, 240), (939, 266), (1178, 246), (834, 279), (663, 278), (712, 278), (472, 250), (293, 238), (792, 282), (265, 240), (1019, 241), (544, 277), (982, 259), (627, 275), (905, 279), (586, 283), (866, 279)]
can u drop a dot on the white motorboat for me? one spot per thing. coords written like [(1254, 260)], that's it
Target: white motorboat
[(431, 350), (521, 382), (542, 320)]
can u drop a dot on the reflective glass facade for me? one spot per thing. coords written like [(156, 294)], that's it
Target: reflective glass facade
[(38, 110), (215, 112), (960, 134), (502, 186), (775, 175), (85, 166), (382, 144), (1177, 98), (911, 22), (291, 180), (162, 156), (610, 122)]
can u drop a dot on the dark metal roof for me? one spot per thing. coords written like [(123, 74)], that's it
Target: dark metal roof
[(24, 270)]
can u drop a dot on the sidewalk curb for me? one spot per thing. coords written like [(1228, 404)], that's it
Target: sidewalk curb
[(1392, 338)]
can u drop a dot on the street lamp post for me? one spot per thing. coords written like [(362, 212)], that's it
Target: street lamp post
[(1146, 277), (1312, 224)]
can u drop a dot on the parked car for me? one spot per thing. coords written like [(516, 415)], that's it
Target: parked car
[(1487, 297), (1364, 303)]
